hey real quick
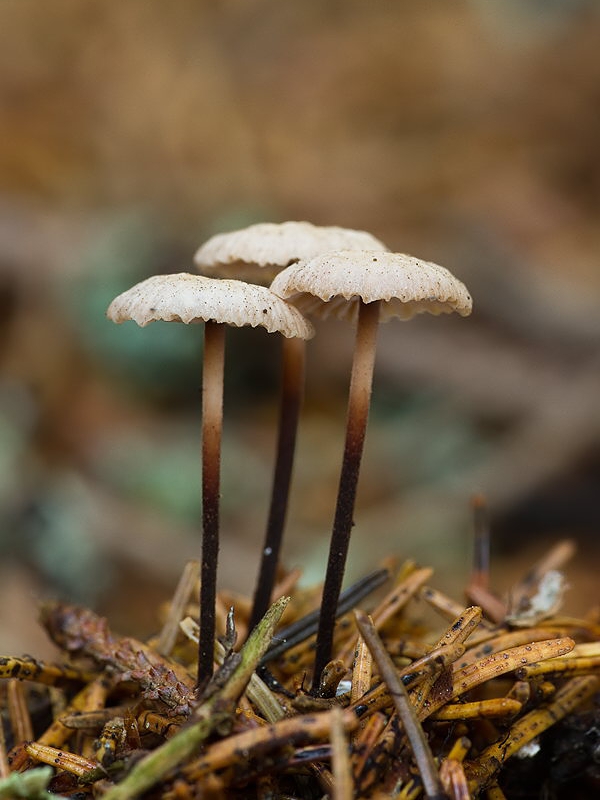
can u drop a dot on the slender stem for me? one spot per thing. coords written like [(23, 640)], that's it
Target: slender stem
[(358, 412), (293, 357), (212, 424)]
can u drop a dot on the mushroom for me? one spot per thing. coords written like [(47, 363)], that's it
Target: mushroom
[(372, 285), (260, 251), (257, 254), (194, 298)]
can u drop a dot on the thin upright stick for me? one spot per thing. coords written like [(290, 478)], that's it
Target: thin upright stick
[(212, 424), (293, 357), (358, 413), (414, 732)]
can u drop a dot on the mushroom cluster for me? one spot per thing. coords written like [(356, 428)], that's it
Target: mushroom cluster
[(315, 272)]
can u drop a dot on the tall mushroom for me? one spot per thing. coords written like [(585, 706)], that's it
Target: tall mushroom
[(257, 254), (374, 285), (193, 298)]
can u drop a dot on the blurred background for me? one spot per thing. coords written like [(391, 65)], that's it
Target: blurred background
[(465, 133)]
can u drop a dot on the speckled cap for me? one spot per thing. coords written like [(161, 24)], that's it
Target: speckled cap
[(259, 252), (194, 298), (331, 283)]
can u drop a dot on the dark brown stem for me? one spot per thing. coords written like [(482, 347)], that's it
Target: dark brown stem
[(212, 424), (293, 353), (358, 413)]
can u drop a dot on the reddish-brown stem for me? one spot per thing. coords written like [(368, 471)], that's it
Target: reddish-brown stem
[(293, 352), (358, 413), (212, 423)]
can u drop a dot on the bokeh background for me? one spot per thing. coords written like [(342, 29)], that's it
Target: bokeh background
[(466, 133)]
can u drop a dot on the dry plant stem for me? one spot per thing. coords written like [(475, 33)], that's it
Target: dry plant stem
[(157, 764), (20, 719), (4, 765), (564, 666), (460, 748), (493, 607), (480, 575), (343, 785), (302, 628), (454, 780), (399, 596), (356, 424), (459, 631), (512, 639), (185, 587), (151, 722), (416, 736), (362, 670), (90, 698), (449, 608), (259, 741), (69, 762), (364, 741), (30, 669), (293, 358), (495, 793), (412, 676), (528, 728), (391, 605), (257, 691), (212, 425), (496, 707), (466, 678)]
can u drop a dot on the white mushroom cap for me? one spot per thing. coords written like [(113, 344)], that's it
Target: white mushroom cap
[(331, 283), (193, 298), (260, 251)]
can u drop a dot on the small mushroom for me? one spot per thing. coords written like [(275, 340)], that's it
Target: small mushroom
[(190, 299), (257, 254), (372, 285)]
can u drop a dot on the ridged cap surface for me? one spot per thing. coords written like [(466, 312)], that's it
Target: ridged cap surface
[(194, 298), (260, 251), (331, 283)]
